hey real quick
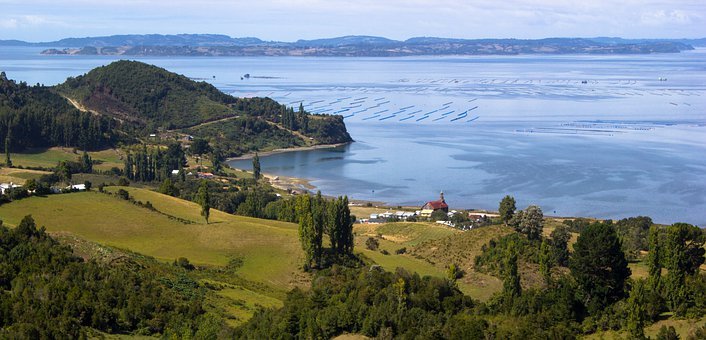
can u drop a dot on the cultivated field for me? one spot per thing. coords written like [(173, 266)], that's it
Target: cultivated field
[(48, 158)]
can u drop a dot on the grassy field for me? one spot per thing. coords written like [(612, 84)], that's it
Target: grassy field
[(269, 249), (19, 176), (48, 158), (423, 255)]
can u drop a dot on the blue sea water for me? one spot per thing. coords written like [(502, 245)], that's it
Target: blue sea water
[(599, 136)]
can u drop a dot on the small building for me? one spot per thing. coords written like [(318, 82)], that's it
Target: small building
[(4, 187), (78, 187), (432, 206), (205, 175), (175, 172), (478, 216)]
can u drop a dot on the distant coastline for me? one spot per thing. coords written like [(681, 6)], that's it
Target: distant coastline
[(350, 46)]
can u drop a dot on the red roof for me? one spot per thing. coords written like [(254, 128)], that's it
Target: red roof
[(435, 205)]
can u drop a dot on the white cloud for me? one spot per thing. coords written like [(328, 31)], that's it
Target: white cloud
[(9, 23), (293, 19), (29, 21), (661, 17)]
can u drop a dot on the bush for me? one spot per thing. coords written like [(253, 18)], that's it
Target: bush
[(439, 215), (183, 262), (453, 272), (401, 251), (372, 243), (384, 252), (124, 194), (123, 182)]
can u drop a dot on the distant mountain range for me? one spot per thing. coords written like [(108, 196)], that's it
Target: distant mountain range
[(223, 45)]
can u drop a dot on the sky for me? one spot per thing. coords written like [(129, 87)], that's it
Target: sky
[(290, 20)]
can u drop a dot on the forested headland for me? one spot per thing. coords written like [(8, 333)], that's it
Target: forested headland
[(128, 101)]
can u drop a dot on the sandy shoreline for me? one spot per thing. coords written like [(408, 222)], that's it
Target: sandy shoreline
[(277, 151)]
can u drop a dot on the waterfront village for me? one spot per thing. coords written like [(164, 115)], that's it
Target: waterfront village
[(437, 211)]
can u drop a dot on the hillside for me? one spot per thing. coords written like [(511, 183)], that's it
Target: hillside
[(36, 116), (148, 95), (128, 100)]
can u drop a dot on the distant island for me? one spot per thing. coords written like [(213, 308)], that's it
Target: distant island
[(349, 46)]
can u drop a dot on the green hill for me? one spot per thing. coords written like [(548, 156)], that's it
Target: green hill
[(128, 100), (147, 94)]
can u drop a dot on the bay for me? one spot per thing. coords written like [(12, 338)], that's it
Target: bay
[(598, 136)]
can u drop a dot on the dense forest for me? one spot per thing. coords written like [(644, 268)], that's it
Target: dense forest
[(35, 116), (46, 292), (148, 95)]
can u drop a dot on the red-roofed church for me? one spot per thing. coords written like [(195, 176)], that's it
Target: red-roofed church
[(433, 206)]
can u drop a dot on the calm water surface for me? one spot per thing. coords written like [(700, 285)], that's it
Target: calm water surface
[(597, 136)]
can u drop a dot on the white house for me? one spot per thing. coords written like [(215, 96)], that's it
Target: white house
[(5, 186), (79, 187), (175, 172)]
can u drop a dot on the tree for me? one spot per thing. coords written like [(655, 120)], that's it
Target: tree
[(122, 193), (200, 146), (86, 163), (683, 255), (511, 280), (31, 185), (372, 243), (637, 311), (439, 215), (8, 161), (203, 198), (168, 188), (654, 258), (217, 159), (256, 167), (530, 222), (63, 171), (633, 233), (667, 333), (88, 185), (307, 237), (560, 242), (346, 240), (546, 260), (599, 266), (507, 209)]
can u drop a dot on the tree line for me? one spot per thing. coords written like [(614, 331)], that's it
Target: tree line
[(318, 217), (46, 292), (35, 116)]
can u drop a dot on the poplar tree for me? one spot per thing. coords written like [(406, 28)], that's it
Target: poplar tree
[(511, 280), (546, 260), (684, 254), (306, 228), (654, 258), (8, 161), (204, 199), (256, 167), (86, 163)]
